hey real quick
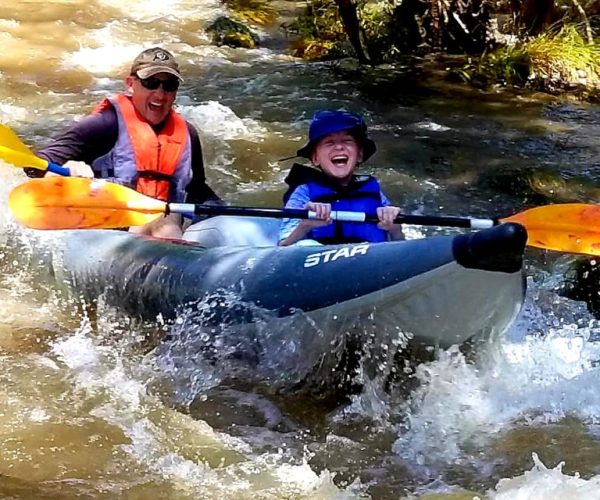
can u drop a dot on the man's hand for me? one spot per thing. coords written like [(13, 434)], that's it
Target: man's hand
[(79, 169)]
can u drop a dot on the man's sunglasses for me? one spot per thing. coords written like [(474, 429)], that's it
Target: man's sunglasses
[(152, 83)]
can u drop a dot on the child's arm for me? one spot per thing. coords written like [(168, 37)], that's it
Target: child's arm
[(386, 217), (323, 211), (293, 230), (387, 213)]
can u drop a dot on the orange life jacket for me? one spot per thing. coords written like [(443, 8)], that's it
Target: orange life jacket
[(156, 155)]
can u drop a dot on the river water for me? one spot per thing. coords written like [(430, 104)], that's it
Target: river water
[(85, 414)]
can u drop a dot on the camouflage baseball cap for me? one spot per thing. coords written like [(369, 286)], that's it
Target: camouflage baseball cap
[(153, 61)]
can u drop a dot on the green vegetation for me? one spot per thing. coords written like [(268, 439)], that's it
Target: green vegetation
[(550, 61), (566, 56), (254, 11), (320, 31), (380, 33), (548, 51)]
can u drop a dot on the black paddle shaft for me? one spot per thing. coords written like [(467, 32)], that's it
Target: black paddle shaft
[(424, 220)]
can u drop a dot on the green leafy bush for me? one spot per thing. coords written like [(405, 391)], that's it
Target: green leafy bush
[(550, 61), (255, 11)]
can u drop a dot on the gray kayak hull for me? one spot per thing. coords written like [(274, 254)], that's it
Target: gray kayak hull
[(420, 285)]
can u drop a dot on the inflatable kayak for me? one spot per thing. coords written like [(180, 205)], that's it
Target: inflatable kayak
[(436, 291)]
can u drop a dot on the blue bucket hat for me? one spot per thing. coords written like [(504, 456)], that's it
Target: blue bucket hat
[(329, 122)]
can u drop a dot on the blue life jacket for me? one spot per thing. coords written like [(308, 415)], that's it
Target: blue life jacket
[(363, 194)]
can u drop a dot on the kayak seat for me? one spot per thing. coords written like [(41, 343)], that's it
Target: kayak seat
[(227, 230)]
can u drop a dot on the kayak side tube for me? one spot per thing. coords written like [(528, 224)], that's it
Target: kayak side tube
[(442, 290)]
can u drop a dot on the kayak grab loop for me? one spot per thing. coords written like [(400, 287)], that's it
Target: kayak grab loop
[(498, 249)]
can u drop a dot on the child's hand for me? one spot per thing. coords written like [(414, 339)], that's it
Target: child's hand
[(323, 213), (323, 210), (386, 217)]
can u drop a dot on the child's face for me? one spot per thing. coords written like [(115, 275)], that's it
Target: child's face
[(338, 155)]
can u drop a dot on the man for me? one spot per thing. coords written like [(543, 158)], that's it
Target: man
[(137, 139)]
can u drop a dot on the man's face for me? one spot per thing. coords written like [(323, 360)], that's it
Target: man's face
[(153, 104)]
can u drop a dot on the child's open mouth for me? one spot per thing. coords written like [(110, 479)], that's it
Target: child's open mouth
[(339, 160)]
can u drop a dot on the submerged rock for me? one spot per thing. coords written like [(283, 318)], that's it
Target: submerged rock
[(227, 31), (540, 186), (582, 281)]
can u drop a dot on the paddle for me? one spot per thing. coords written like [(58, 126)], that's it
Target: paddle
[(79, 203), (12, 150)]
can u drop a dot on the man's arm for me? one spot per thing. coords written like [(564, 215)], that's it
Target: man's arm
[(90, 138), (197, 190)]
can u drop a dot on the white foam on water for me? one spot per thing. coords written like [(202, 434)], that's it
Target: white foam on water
[(542, 380), (77, 352), (214, 119), (448, 409), (99, 370), (110, 49), (431, 126), (546, 484), (301, 479), (105, 59), (413, 232), (217, 124), (9, 113), (10, 177), (538, 379), (39, 415), (122, 400), (108, 54), (151, 10), (6, 24)]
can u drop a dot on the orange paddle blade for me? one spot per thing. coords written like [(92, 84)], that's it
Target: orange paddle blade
[(570, 227), (79, 203)]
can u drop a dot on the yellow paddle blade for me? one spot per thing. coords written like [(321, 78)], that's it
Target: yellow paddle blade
[(569, 227), (12, 150), (20, 159), (80, 203), (11, 140)]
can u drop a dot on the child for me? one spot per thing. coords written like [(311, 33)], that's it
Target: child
[(337, 145)]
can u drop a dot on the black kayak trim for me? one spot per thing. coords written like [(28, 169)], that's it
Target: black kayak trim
[(500, 249)]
